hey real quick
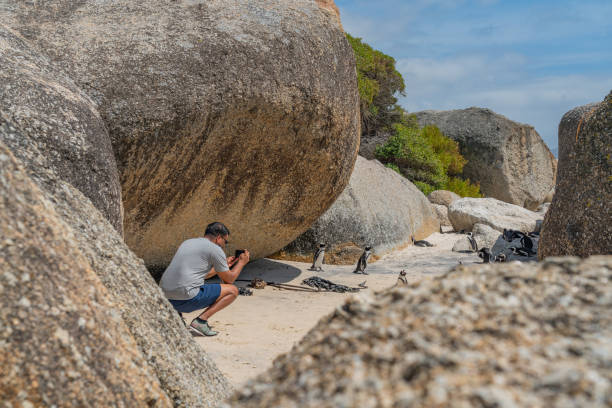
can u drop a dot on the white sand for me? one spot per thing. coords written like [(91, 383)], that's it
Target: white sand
[(255, 329)]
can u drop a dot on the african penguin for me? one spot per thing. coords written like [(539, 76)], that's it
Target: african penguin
[(401, 279), (421, 243), (362, 263), (317, 260), (473, 243), (485, 255)]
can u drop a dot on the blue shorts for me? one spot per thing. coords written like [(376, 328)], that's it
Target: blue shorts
[(208, 294)]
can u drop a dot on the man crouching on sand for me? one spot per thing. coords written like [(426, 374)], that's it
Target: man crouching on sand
[(195, 261)]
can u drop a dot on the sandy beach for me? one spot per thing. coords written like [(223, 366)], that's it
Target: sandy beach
[(255, 329)]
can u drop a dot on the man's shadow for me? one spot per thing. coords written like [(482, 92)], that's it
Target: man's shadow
[(265, 269)]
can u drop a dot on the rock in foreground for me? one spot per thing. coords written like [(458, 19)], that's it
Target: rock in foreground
[(240, 111), (508, 159), (579, 220), (184, 371), (379, 208), (489, 335), (62, 340)]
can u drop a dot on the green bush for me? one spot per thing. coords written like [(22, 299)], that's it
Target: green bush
[(427, 158), (424, 187), (413, 155), (463, 187), (446, 149), (378, 82), (393, 167)]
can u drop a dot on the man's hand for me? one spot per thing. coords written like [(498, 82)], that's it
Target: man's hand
[(244, 257), (231, 275), (231, 260)]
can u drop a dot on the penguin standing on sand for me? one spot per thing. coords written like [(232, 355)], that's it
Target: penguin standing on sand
[(362, 263), (401, 279), (317, 260), (473, 243)]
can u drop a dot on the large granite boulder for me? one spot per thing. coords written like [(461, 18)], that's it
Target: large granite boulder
[(184, 371), (508, 159), (63, 123), (495, 335), (378, 208), (499, 215), (244, 112), (62, 341), (579, 219)]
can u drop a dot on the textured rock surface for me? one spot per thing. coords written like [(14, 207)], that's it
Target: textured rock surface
[(378, 208), (484, 235), (508, 159), (62, 340), (441, 212), (443, 197), (498, 335), (61, 121), (240, 111), (579, 219), (184, 371), (466, 212), (462, 245)]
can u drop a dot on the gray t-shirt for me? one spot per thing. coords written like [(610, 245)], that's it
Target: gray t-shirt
[(193, 260)]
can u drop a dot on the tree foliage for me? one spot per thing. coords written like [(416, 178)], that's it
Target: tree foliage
[(427, 158), (378, 82)]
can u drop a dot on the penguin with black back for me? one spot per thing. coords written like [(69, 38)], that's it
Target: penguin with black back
[(473, 243), (362, 263), (401, 279), (485, 255), (421, 243), (317, 260), (522, 251)]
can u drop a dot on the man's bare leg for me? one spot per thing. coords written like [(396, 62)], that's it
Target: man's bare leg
[(229, 293)]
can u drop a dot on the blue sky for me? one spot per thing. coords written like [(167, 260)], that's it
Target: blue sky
[(530, 61)]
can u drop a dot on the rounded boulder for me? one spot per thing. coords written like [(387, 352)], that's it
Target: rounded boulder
[(244, 112), (509, 159), (467, 212), (379, 208)]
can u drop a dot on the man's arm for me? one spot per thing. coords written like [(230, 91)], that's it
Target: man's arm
[(231, 275), (211, 273)]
